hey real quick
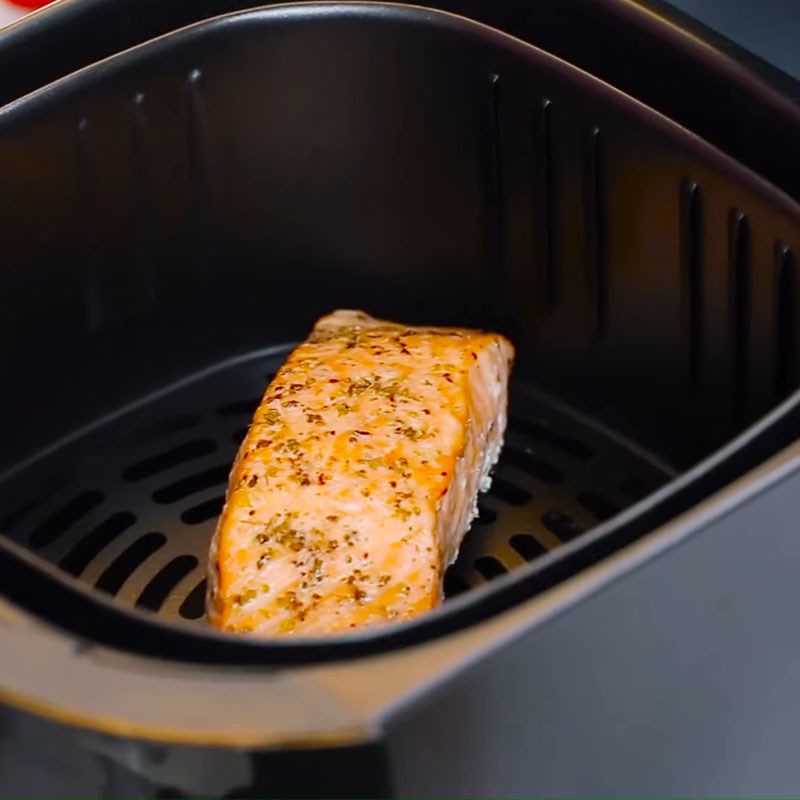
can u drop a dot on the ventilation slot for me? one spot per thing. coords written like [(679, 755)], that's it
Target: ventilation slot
[(740, 296), (125, 564), (632, 488), (171, 458), (43, 491), (786, 323), (596, 504), (454, 584), (204, 511), (486, 515), (489, 567), (192, 484), (495, 204), (562, 526), (60, 522), (544, 216), (194, 606), (142, 197), (164, 427), (157, 591), (81, 555), (528, 547), (691, 254), (597, 230), (509, 493), (88, 205), (522, 459), (198, 156), (16, 516), (558, 441)]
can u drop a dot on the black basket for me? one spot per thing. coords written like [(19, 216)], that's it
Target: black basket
[(200, 199)]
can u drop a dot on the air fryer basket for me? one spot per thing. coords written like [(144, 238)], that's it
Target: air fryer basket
[(189, 207), (647, 48)]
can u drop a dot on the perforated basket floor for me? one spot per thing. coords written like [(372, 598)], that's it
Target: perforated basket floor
[(129, 505)]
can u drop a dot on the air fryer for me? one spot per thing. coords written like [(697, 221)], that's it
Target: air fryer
[(174, 217)]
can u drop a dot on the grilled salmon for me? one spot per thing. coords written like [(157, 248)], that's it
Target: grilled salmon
[(358, 477)]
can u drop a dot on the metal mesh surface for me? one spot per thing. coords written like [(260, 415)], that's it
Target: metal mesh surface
[(129, 506)]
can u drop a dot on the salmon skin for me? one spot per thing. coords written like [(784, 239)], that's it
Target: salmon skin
[(358, 477)]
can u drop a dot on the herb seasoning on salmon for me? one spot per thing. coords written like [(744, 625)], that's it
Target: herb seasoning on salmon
[(358, 478)]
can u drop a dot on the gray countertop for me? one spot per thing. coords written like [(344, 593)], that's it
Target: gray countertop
[(768, 28)]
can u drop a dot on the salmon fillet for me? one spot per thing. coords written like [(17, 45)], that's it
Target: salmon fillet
[(358, 478)]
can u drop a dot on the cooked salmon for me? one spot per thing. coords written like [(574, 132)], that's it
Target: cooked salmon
[(358, 477)]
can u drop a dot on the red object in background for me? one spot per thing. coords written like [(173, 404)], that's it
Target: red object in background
[(30, 3)]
